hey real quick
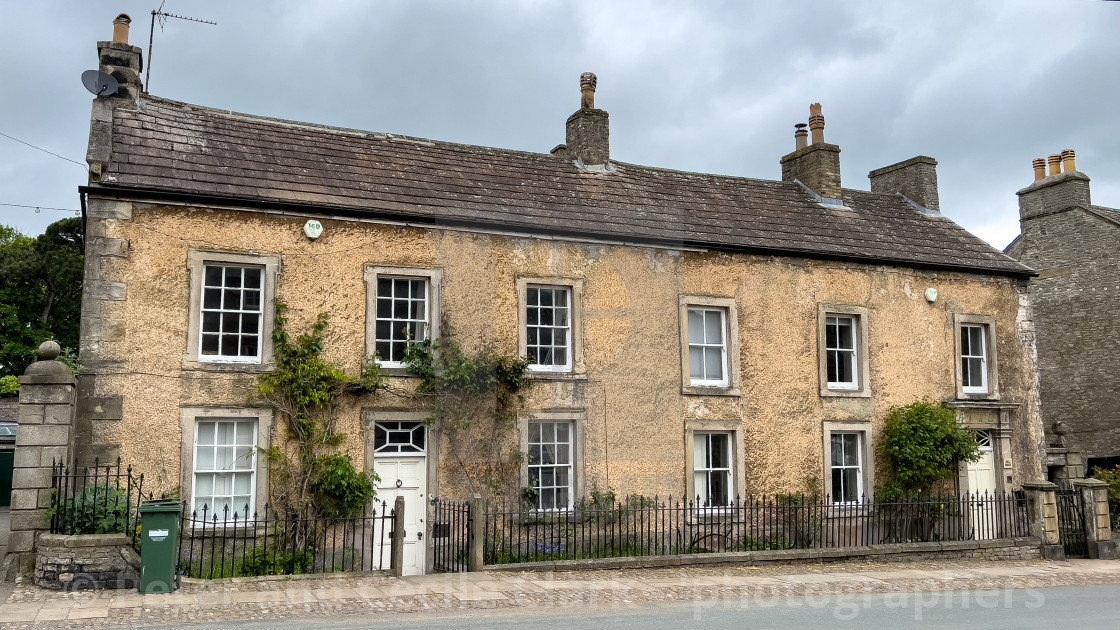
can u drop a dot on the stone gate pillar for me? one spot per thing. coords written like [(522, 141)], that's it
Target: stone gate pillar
[(1098, 525), (47, 393), (1042, 512)]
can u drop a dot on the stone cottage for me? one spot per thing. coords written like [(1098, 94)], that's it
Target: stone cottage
[(688, 334), (1075, 246)]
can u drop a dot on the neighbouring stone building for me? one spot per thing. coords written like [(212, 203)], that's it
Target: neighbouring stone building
[(689, 334), (1075, 246)]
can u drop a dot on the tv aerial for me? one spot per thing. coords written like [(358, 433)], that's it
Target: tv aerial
[(160, 15), (99, 83)]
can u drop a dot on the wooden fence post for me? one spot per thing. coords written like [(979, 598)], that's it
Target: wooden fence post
[(396, 553), (477, 519)]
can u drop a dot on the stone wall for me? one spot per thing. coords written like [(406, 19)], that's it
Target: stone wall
[(995, 549), (92, 561), (1076, 250)]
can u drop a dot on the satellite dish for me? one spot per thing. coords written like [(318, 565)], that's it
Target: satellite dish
[(99, 83)]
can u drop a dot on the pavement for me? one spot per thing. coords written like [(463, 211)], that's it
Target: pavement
[(319, 597)]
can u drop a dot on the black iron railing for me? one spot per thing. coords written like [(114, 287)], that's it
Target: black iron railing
[(231, 545), (450, 534), (96, 500), (642, 526)]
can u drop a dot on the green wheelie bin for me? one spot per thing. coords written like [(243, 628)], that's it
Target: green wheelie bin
[(159, 545)]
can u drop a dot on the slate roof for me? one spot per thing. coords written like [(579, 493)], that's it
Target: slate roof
[(181, 149)]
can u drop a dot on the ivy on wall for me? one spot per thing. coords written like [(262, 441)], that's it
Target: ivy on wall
[(309, 474), (474, 398)]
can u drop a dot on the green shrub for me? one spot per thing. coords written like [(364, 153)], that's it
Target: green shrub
[(98, 509), (340, 489), (261, 562), (1112, 478), (9, 386), (922, 444)]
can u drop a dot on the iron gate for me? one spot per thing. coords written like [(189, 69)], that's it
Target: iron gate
[(450, 532), (1071, 522)]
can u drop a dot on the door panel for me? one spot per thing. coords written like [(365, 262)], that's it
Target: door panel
[(411, 473), (981, 480)]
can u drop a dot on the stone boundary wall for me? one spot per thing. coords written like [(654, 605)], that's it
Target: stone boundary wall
[(995, 549), (86, 562)]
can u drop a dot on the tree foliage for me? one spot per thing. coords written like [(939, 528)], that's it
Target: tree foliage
[(474, 398), (922, 444), (40, 291), (1112, 478)]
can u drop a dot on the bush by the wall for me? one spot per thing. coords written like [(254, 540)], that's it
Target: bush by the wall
[(100, 508)]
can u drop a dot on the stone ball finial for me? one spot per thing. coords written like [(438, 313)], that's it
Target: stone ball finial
[(49, 350)]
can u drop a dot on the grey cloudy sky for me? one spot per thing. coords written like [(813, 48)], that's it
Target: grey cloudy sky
[(706, 86)]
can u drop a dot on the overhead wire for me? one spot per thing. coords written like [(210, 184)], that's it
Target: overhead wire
[(84, 166), (20, 205)]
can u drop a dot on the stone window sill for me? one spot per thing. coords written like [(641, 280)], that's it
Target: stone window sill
[(711, 391)]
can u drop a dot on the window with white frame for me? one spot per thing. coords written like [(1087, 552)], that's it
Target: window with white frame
[(399, 438), (548, 328), (225, 468), (707, 346), (402, 316), (841, 365), (712, 469), (847, 467), (984, 440), (974, 358), (231, 313), (550, 464)]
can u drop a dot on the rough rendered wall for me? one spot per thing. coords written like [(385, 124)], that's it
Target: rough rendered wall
[(1077, 314), (635, 408)]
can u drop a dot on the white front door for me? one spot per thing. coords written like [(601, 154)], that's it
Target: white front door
[(981, 483), (400, 460), (406, 477)]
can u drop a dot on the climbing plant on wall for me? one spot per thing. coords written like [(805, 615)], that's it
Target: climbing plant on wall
[(309, 475), (474, 397)]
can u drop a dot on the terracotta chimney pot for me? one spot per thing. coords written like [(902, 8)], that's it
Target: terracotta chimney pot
[(801, 136), (120, 28), (816, 123), (1069, 161), (587, 82), (1055, 164), (1039, 165)]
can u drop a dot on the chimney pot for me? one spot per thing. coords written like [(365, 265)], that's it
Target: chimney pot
[(1039, 165), (816, 166), (1055, 164), (1069, 162), (816, 123), (587, 82), (120, 28), (801, 136)]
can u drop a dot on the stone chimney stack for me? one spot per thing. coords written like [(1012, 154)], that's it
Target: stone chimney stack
[(124, 63), (916, 179), (817, 165), (1064, 188), (588, 132)]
